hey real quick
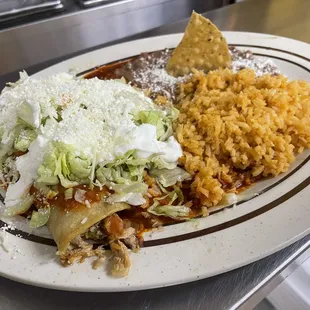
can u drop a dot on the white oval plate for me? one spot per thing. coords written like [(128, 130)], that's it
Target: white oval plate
[(260, 225)]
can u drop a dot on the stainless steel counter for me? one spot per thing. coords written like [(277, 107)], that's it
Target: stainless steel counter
[(75, 29), (242, 288)]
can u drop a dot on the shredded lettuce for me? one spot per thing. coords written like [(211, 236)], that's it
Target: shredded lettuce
[(171, 116), (153, 118), (126, 169), (79, 166), (115, 174), (46, 170), (24, 139), (67, 183), (134, 199), (176, 197), (46, 176), (132, 193), (129, 168), (135, 187), (149, 117), (175, 212), (162, 120), (39, 218), (8, 138), (93, 171), (62, 165), (68, 193), (159, 163), (169, 177)]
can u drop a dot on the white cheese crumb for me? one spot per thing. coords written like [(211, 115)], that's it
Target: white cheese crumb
[(84, 220), (79, 195), (87, 204)]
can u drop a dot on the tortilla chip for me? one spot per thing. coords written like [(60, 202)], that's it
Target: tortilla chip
[(203, 47)]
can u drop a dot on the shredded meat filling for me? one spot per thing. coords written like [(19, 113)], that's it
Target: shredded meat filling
[(121, 260), (81, 250)]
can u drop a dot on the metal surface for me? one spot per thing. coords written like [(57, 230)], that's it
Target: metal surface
[(81, 29), (10, 10), (8, 7), (288, 18), (243, 287), (88, 3)]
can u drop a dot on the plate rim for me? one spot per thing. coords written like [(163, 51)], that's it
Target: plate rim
[(102, 289)]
